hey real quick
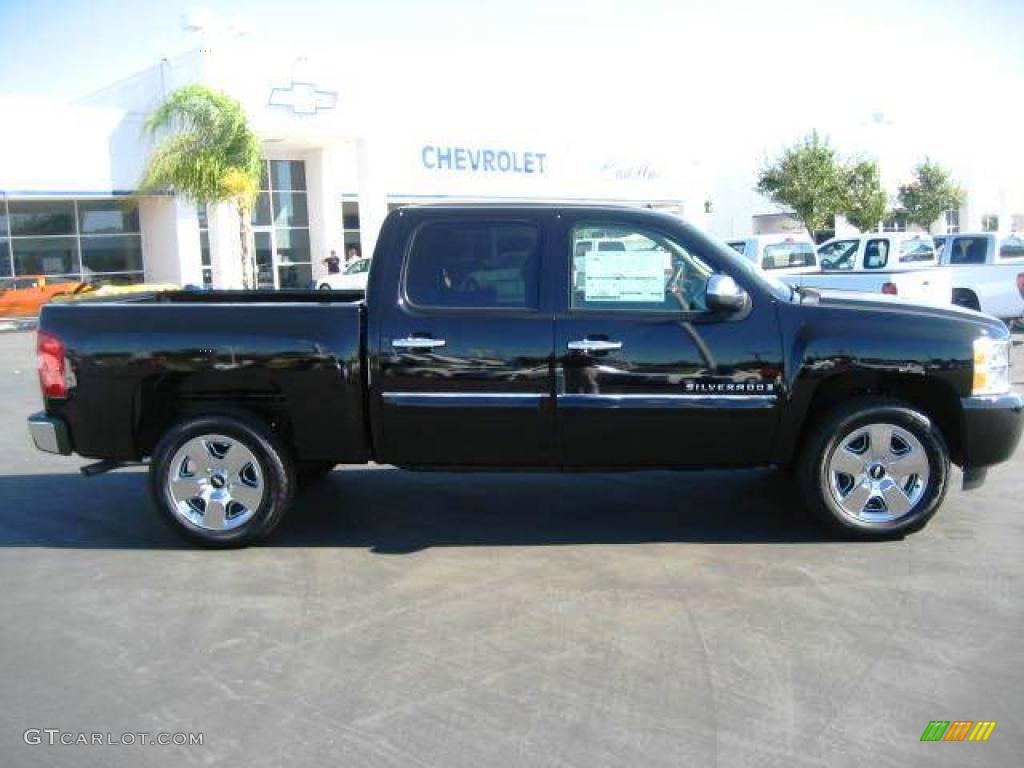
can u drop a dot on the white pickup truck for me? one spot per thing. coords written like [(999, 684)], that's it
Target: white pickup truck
[(896, 263), (985, 270)]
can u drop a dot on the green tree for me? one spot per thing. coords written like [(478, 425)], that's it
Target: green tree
[(209, 155), (932, 191), (807, 178), (863, 201)]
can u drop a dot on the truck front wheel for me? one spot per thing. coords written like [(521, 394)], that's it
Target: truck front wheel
[(874, 468), (221, 481)]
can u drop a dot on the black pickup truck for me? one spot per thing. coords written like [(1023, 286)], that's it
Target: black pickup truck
[(529, 338)]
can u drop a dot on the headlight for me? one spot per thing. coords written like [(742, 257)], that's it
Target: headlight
[(991, 366)]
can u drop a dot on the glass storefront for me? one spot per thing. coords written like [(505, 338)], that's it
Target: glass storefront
[(94, 240), (350, 231), (280, 222)]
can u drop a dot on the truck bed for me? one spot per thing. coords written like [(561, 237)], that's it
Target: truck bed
[(143, 360)]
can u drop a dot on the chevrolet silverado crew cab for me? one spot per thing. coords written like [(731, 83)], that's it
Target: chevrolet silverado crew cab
[(484, 341)]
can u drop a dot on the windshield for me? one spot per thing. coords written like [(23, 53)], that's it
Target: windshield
[(785, 255), (838, 255)]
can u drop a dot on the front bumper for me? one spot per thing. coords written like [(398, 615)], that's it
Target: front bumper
[(992, 427), (49, 433)]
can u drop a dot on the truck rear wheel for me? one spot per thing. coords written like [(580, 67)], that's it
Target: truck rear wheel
[(874, 468), (221, 481)]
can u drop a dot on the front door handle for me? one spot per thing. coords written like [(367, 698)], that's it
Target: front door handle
[(594, 345), (417, 342)]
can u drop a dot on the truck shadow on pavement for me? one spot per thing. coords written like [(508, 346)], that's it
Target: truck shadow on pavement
[(390, 511)]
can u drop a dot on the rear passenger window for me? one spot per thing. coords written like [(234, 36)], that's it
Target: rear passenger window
[(968, 250), (876, 254), (474, 264), (916, 250)]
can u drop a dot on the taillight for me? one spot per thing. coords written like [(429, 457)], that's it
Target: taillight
[(1020, 284), (52, 365), (890, 289)]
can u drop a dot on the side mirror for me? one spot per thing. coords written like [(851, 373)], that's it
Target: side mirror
[(724, 295)]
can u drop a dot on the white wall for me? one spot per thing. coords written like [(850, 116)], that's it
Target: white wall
[(170, 241), (55, 148)]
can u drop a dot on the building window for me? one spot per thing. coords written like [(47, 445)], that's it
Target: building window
[(281, 216), (350, 230), (895, 222), (204, 244), (95, 240), (6, 266), (989, 223), (952, 220)]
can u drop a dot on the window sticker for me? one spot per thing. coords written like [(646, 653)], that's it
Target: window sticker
[(625, 276)]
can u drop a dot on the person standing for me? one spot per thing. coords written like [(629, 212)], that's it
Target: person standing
[(333, 263)]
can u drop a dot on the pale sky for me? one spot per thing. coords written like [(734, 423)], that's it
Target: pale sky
[(738, 77)]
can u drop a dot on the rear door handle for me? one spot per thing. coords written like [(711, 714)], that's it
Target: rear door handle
[(417, 342), (594, 345)]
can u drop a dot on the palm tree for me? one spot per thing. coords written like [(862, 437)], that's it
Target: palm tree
[(210, 156)]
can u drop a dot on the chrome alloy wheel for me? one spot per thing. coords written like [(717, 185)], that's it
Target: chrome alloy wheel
[(214, 482), (878, 473)]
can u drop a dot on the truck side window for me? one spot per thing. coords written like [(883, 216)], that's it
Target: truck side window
[(474, 264), (622, 268), (916, 250), (876, 254), (968, 250), (786, 255)]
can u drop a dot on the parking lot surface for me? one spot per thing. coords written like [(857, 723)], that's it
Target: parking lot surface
[(403, 619)]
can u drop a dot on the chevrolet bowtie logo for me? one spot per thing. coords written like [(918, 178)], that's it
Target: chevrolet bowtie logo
[(303, 98)]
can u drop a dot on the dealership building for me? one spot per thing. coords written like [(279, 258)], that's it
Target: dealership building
[(342, 151), (338, 159)]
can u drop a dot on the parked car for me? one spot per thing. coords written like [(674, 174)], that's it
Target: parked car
[(985, 268), (780, 254), (352, 278), (93, 290), (895, 263), (234, 397), (24, 296)]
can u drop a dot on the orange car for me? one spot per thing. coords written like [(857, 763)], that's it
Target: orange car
[(23, 296)]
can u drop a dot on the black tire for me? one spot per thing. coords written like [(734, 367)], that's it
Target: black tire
[(310, 472), (325, 286), (825, 438), (276, 473)]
